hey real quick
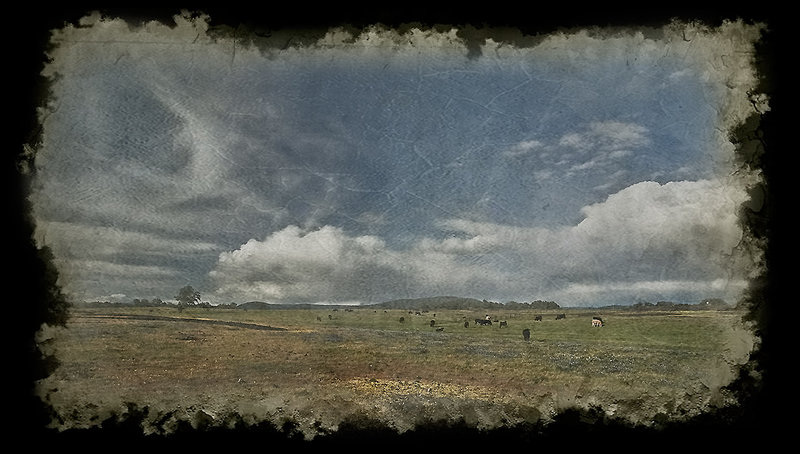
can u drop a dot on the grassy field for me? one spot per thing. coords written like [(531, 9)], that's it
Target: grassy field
[(319, 367)]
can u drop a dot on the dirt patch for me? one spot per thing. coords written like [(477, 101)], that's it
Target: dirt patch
[(185, 319)]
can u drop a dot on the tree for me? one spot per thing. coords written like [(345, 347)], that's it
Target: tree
[(187, 296)]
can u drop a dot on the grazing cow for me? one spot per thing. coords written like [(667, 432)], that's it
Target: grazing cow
[(433, 322), (504, 323), (482, 322), (526, 334), (466, 324), (560, 316), (441, 328), (319, 319), (402, 319), (597, 321), (330, 317), (538, 318)]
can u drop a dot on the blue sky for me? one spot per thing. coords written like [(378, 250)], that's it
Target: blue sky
[(588, 169)]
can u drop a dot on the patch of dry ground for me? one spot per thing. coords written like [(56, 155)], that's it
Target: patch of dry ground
[(300, 369)]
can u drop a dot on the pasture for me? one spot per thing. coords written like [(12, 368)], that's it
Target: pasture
[(318, 367)]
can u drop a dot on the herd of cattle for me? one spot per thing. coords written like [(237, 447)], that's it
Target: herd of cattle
[(526, 333), (487, 321)]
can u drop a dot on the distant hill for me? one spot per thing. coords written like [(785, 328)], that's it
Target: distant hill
[(456, 302), (255, 305), (260, 305), (416, 304)]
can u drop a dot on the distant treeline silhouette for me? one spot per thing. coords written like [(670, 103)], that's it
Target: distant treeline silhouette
[(426, 304)]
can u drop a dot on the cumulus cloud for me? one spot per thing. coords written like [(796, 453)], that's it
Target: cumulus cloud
[(643, 237), (648, 239), (293, 265), (676, 228)]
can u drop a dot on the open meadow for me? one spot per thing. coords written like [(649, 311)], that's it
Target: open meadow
[(319, 367)]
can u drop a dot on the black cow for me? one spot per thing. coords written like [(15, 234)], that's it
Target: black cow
[(433, 322), (538, 318), (504, 323), (440, 328), (482, 322), (560, 316), (402, 319), (466, 324), (526, 334)]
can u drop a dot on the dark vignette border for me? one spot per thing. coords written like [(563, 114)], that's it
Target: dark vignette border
[(35, 299)]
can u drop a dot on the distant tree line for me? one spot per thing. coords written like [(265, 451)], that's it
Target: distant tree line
[(538, 304), (708, 303), (453, 302), (189, 297), (138, 302)]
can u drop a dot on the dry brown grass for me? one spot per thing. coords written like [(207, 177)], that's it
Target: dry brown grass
[(320, 371)]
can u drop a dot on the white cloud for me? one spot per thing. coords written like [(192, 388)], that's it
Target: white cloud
[(606, 136), (596, 146), (296, 265), (677, 237), (524, 148), (616, 134), (574, 140), (328, 265)]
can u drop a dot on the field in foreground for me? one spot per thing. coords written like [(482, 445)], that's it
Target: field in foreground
[(319, 367)]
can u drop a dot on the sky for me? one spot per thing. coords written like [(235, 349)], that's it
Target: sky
[(586, 167)]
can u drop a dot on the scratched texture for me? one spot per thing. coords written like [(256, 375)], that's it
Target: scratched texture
[(347, 165)]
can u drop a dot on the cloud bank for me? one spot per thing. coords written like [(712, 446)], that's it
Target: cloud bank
[(684, 233)]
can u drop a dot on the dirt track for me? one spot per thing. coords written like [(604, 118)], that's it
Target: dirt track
[(184, 319)]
